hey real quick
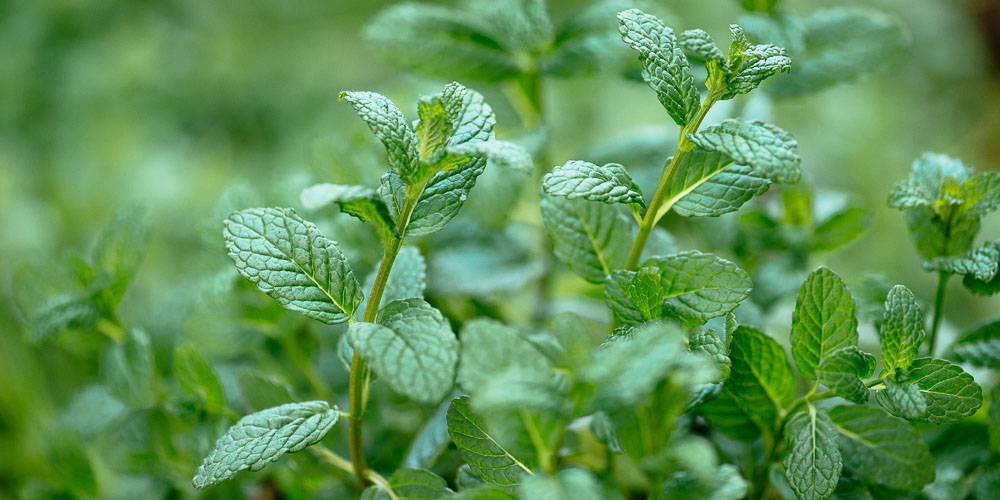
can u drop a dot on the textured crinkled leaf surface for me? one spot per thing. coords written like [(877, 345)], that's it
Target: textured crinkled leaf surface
[(500, 153), (823, 320), (761, 378), (290, 260), (771, 151), (981, 263), (812, 460), (951, 393), (843, 372), (610, 183), (699, 44), (389, 125), (411, 347), (487, 458), (590, 237), (980, 347), (263, 437), (902, 399), (902, 328), (664, 66), (712, 344), (707, 183), (881, 449), (753, 64), (696, 287)]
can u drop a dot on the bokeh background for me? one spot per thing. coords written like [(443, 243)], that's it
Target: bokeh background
[(176, 103)]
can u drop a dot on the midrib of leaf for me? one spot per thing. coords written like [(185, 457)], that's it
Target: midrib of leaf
[(593, 240), (669, 203), (490, 438), (868, 443), (301, 269)]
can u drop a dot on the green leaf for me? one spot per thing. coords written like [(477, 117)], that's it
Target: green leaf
[(927, 180), (838, 230), (696, 287), (840, 45), (263, 437), (129, 368), (196, 378), (490, 348), (500, 153), (725, 415), (699, 45), (902, 399), (119, 252), (751, 64), (902, 329), (581, 179), (590, 237), (823, 320), (950, 393), (725, 483), (707, 183), (411, 484), (59, 314), (588, 41), (434, 126), (70, 465), (714, 346), (980, 347), (487, 458), (568, 484), (521, 25), (812, 460), (411, 347), (844, 370), (881, 449), (761, 379), (981, 264), (290, 260), (389, 125), (440, 41), (664, 66), (359, 201), (769, 150)]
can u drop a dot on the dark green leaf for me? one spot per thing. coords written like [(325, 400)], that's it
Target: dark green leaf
[(823, 320), (902, 329), (844, 370), (769, 150), (812, 460), (196, 378), (761, 379), (882, 449), (487, 458), (590, 237)]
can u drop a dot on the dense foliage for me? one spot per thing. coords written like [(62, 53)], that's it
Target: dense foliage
[(482, 318)]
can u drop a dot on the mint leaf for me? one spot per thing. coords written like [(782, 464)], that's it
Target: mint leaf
[(980, 264), (501, 153), (359, 201), (881, 449), (571, 483), (902, 329), (664, 66), (290, 260), (118, 254), (761, 379), (490, 348), (812, 460), (751, 64), (590, 237), (434, 126), (411, 484), (129, 368), (581, 179), (699, 45), (389, 125), (980, 347), (902, 399), (927, 180), (844, 370), (711, 344), (696, 287), (707, 183), (263, 437), (440, 41), (195, 377), (823, 320), (411, 347), (839, 229), (588, 41), (951, 393), (771, 151), (487, 458)]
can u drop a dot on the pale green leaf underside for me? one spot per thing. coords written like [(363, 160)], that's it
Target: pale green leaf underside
[(761, 378), (699, 44), (823, 320), (610, 183), (411, 347), (487, 458), (812, 460), (263, 437), (902, 329), (881, 449), (500, 153), (664, 66), (590, 237), (290, 260), (769, 150)]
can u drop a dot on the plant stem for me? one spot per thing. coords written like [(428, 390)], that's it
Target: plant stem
[(360, 374), (333, 459), (938, 309), (656, 210)]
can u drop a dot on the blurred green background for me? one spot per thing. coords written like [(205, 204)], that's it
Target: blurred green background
[(172, 103)]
